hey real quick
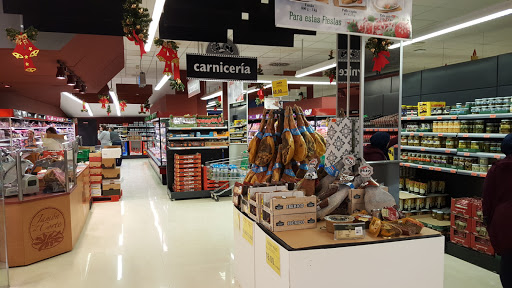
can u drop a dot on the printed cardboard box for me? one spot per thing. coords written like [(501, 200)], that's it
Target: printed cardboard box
[(108, 163), (111, 173)]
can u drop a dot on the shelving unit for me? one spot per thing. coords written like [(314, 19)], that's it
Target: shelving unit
[(156, 148), (135, 139), (208, 153)]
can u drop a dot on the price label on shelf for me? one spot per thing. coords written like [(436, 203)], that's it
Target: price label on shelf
[(447, 151), (273, 255), (421, 167), (438, 169), (412, 134), (422, 118), (483, 175), (421, 134), (407, 165), (422, 149), (487, 136), (408, 118), (474, 174), (454, 117), (366, 170), (440, 135), (453, 171), (247, 229), (497, 156), (492, 116), (466, 154), (465, 135), (431, 168)]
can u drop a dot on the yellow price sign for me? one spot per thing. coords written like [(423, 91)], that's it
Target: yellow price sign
[(280, 88), (236, 218), (248, 230), (273, 256)]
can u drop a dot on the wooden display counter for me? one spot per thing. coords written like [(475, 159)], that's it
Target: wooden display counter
[(44, 225), (311, 258)]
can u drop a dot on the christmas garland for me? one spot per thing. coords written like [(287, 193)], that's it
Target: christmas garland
[(135, 23), (177, 85), (331, 73), (108, 110), (24, 48), (166, 43), (379, 48), (12, 34)]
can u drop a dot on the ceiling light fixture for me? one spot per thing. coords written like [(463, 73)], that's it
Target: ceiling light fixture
[(78, 85), (212, 95), (162, 82), (316, 68), (71, 80), (116, 102), (79, 101), (157, 12), (467, 24), (61, 72), (211, 104), (83, 89), (256, 89)]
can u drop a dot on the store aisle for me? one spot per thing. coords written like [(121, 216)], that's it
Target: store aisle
[(146, 240)]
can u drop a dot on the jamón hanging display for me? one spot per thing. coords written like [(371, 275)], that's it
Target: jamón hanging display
[(169, 54), (24, 48), (135, 23)]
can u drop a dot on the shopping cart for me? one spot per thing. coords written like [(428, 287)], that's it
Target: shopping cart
[(224, 173)]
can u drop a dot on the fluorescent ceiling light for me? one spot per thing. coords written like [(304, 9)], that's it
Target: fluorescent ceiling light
[(210, 105), (316, 68), (79, 101), (116, 102), (157, 12), (162, 82), (456, 27), (213, 95), (256, 89), (312, 82)]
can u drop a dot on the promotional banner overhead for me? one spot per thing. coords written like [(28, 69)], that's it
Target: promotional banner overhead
[(385, 18), (218, 67)]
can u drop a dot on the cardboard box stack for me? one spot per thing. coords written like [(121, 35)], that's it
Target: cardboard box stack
[(467, 227), (187, 173), (95, 171), (111, 175)]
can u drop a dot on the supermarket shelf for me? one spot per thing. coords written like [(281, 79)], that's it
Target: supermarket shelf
[(239, 126), (471, 173), (429, 118), (238, 143), (407, 195), (380, 129), (482, 135), (439, 134), (482, 155), (194, 194), (196, 138), (121, 126), (2, 140), (237, 138), (431, 168), (195, 128), (428, 149), (197, 148)]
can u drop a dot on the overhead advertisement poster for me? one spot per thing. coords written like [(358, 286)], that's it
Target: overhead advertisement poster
[(382, 18)]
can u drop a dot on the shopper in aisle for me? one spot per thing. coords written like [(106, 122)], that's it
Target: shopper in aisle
[(378, 148), (116, 141), (104, 136), (497, 204)]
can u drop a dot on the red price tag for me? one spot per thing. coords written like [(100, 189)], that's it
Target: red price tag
[(407, 165), (408, 118), (453, 171), (466, 154), (438, 169), (474, 174), (430, 168), (487, 136), (421, 167), (439, 117), (422, 149), (483, 175), (447, 151), (492, 116), (465, 135), (412, 134), (422, 118), (440, 134), (421, 134), (497, 156)]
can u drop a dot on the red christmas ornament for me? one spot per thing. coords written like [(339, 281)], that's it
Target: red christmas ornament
[(139, 42), (25, 50), (84, 109), (380, 61), (122, 105), (103, 101), (172, 61), (260, 94)]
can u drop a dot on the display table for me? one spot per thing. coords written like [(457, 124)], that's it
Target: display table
[(44, 225), (311, 258)]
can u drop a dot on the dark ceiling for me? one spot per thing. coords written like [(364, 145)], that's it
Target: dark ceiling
[(209, 21)]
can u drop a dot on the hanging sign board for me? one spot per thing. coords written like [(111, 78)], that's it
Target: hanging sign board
[(193, 87), (272, 103), (280, 88), (235, 92), (385, 18), (221, 67)]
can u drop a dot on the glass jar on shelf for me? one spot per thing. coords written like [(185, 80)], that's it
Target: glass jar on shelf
[(505, 126), (464, 126), (403, 141), (437, 142), (450, 143), (487, 147), (479, 102), (463, 144), (479, 126)]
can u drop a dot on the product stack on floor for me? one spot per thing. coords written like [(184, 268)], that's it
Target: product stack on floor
[(111, 175), (96, 173), (187, 172)]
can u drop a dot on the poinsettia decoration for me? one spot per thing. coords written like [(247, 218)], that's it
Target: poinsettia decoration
[(108, 110), (169, 54), (177, 85), (122, 105), (147, 106), (379, 48), (331, 73), (84, 108), (24, 48), (103, 101), (136, 20)]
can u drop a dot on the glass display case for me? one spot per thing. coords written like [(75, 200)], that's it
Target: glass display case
[(24, 132), (157, 146)]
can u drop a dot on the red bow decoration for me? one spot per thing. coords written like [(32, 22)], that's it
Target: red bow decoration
[(380, 61), (25, 50), (260, 94), (331, 78), (103, 101), (122, 105), (138, 42), (170, 56)]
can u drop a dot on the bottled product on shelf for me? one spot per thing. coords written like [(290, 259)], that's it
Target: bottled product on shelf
[(238, 131), (389, 121)]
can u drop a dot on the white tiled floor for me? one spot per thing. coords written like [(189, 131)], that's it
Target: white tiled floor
[(146, 240)]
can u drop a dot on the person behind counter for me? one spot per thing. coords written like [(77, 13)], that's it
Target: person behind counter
[(496, 206), (104, 136), (378, 148)]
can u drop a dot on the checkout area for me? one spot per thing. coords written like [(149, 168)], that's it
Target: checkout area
[(46, 196)]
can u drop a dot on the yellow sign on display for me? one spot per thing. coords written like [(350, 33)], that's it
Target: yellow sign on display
[(236, 219), (247, 231), (280, 88), (273, 256)]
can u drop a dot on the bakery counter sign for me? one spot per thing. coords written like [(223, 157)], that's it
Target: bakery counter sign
[(384, 18), (221, 67), (47, 228)]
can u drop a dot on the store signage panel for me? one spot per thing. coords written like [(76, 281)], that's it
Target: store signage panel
[(193, 87), (384, 18), (218, 67), (280, 88)]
